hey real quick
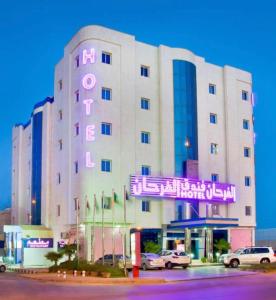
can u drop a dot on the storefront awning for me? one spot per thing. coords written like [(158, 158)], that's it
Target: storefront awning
[(204, 222)]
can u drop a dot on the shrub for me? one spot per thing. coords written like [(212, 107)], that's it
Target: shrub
[(69, 250), (84, 265), (204, 260)]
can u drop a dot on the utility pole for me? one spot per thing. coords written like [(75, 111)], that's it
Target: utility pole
[(93, 230)]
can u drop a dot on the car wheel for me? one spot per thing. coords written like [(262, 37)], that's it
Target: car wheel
[(185, 267), (234, 263), (144, 267), (169, 265), (2, 269), (265, 261)]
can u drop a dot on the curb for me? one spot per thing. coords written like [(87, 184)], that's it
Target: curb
[(96, 280)]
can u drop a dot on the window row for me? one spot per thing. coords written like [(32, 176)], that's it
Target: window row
[(213, 118), (214, 149), (213, 91), (247, 179), (145, 206)]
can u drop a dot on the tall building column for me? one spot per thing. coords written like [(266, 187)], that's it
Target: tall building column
[(188, 248), (209, 244)]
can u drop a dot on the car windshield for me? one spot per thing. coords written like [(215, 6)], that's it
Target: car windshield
[(238, 251), (180, 253)]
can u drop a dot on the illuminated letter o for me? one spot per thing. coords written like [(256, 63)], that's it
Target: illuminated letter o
[(89, 81)]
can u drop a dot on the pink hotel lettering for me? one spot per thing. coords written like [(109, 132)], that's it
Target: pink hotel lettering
[(88, 82)]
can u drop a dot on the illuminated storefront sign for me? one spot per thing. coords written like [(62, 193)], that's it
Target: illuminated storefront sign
[(88, 82), (182, 188), (38, 243)]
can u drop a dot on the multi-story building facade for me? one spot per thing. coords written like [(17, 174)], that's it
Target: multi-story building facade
[(122, 108)]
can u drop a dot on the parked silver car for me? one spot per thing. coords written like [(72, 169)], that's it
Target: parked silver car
[(152, 261), (119, 261)]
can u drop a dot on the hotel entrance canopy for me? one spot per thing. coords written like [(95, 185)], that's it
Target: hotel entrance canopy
[(204, 223)]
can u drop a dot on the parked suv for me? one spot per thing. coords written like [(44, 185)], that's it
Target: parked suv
[(175, 258), (250, 255)]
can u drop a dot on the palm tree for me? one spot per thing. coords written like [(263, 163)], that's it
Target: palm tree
[(54, 256), (222, 245), (69, 250)]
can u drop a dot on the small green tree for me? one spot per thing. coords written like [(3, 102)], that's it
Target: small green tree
[(54, 256), (222, 245), (69, 250), (151, 247)]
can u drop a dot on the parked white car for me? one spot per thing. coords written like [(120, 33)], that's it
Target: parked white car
[(3, 266), (175, 258), (152, 261), (250, 255)]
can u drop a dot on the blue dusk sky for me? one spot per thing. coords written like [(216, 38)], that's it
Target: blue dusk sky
[(238, 33)]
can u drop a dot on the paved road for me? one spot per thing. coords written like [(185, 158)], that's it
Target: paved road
[(257, 287), (194, 273)]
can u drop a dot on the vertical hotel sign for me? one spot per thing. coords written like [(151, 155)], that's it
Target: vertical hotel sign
[(88, 82)]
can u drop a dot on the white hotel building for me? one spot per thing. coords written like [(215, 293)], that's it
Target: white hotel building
[(120, 108)]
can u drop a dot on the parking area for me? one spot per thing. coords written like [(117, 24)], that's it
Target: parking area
[(194, 273)]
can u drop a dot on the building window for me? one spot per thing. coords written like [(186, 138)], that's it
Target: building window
[(146, 205), (106, 94), (213, 118), (58, 178), (58, 210), (215, 177), (106, 128), (145, 137), (212, 89), (76, 166), (245, 124), (145, 104), (60, 114), (144, 71), (77, 61), (60, 84), (247, 181), (76, 203), (107, 202), (77, 96), (244, 95), (60, 144), (77, 129), (106, 58), (215, 209), (246, 152), (248, 210), (106, 165), (214, 148), (145, 170)]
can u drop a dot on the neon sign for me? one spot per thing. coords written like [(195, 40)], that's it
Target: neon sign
[(88, 82), (182, 188), (38, 243)]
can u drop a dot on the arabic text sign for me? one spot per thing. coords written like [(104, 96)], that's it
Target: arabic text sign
[(182, 188), (38, 243)]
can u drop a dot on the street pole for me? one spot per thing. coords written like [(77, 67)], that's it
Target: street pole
[(113, 238), (78, 247), (93, 230), (103, 227), (124, 242)]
